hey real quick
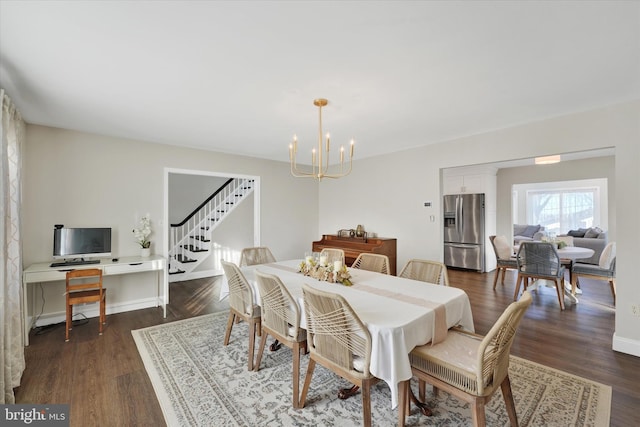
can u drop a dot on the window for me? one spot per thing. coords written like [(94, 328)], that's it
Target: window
[(561, 210)]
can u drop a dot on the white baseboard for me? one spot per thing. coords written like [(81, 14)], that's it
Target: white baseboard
[(626, 345), (195, 275), (93, 310)]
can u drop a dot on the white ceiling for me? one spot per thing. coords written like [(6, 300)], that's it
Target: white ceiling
[(241, 77)]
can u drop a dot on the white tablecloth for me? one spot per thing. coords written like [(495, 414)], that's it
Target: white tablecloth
[(396, 326)]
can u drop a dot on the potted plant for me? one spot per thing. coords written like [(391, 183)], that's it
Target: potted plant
[(142, 236)]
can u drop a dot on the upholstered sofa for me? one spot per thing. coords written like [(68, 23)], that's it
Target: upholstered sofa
[(527, 233), (592, 238)]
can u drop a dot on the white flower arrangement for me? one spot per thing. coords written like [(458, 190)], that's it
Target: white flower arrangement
[(142, 234), (325, 273)]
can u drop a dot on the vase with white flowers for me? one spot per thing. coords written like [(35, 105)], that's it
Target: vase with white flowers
[(142, 236)]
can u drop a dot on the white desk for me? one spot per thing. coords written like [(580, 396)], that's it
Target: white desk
[(43, 272), (396, 325)]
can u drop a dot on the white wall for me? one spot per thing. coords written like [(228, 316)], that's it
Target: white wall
[(85, 180), (386, 193)]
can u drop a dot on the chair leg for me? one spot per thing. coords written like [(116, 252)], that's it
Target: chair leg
[(68, 322), (227, 333), (518, 281), (307, 381), (477, 413), (366, 403), (612, 285), (102, 318), (252, 341), (504, 273), (495, 278), (296, 374), (508, 401), (402, 402), (263, 342), (560, 292)]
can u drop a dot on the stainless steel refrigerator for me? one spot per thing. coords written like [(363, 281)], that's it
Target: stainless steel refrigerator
[(464, 242)]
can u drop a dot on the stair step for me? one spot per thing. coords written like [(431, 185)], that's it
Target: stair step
[(201, 238), (184, 259), (204, 228), (176, 272), (193, 248)]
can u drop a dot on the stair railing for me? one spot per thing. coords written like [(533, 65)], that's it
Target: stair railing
[(189, 235)]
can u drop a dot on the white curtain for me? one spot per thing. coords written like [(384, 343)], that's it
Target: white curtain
[(12, 130)]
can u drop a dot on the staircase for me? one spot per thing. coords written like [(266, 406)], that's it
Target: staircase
[(190, 240)]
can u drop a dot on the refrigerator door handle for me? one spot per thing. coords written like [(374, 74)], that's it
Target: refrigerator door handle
[(462, 246), (460, 215)]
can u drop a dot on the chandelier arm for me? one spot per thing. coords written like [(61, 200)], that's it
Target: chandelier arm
[(322, 166)]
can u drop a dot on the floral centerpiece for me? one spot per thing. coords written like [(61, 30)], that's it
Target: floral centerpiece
[(142, 234), (326, 273)]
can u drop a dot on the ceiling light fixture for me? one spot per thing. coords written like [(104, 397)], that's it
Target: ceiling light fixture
[(318, 169), (547, 160)]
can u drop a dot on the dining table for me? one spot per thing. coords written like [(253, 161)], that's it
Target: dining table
[(399, 313)]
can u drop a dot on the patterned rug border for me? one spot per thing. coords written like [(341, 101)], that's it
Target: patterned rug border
[(600, 412)]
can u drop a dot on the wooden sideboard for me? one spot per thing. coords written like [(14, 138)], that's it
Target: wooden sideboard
[(354, 246)]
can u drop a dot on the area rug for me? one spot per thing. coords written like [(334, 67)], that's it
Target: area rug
[(199, 382)]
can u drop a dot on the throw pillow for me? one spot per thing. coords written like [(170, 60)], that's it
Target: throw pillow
[(576, 233), (503, 249), (592, 233), (530, 230)]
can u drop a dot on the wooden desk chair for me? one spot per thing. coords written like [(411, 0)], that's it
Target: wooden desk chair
[(281, 320), (241, 306), (333, 254), (372, 262), (540, 260), (505, 259), (83, 286), (426, 271), (255, 256), (469, 366), (339, 341)]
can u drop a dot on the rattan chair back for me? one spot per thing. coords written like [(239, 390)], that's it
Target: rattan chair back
[(372, 262), (426, 271), (280, 312), (240, 292), (255, 256)]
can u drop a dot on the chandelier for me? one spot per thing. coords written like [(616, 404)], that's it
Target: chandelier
[(319, 156)]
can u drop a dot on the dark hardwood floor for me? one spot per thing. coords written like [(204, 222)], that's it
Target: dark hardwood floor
[(105, 383)]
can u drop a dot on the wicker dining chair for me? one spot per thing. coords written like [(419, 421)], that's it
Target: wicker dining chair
[(505, 259), (540, 260), (469, 366), (333, 254), (241, 306), (372, 262), (426, 271), (605, 270), (255, 256), (339, 341), (281, 320)]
